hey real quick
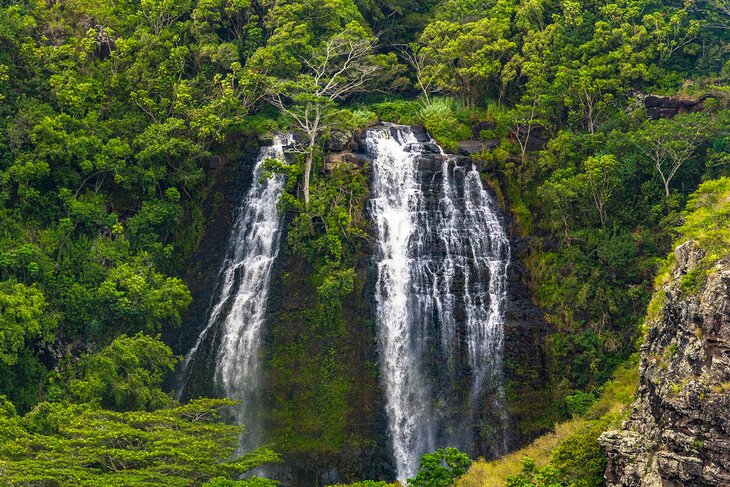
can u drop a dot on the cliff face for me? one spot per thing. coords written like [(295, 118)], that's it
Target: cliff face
[(678, 433), (324, 404)]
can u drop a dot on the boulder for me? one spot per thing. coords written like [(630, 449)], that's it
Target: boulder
[(473, 147), (341, 141), (658, 106), (336, 159)]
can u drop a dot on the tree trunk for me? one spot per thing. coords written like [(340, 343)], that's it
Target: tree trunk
[(307, 173), (310, 160), (308, 168)]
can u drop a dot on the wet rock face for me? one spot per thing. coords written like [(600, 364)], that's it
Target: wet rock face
[(658, 106), (678, 433), (340, 141)]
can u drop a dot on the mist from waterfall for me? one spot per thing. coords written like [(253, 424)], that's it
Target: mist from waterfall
[(442, 257), (237, 311)]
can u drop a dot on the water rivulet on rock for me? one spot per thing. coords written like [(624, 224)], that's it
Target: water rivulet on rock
[(235, 328)]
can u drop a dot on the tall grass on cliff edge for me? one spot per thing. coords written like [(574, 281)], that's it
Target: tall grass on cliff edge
[(609, 409)]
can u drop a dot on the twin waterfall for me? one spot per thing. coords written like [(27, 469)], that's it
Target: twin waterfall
[(441, 256), (442, 262)]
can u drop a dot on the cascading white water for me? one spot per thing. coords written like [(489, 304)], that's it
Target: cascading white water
[(238, 309), (478, 248), (396, 202), (442, 258)]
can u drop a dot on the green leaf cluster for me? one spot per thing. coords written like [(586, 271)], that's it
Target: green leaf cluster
[(81, 445), (440, 468)]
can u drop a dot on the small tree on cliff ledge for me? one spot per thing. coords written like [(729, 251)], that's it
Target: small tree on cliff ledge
[(340, 66), (670, 143)]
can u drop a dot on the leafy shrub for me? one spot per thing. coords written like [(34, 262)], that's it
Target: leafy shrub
[(441, 468), (125, 376), (534, 476), (579, 403), (60, 444), (580, 459), (397, 111)]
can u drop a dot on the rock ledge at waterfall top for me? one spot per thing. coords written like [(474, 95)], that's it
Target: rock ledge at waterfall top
[(678, 432)]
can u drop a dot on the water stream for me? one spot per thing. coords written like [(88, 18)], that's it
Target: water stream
[(238, 308), (442, 256)]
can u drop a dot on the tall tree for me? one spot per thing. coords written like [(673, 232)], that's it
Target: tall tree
[(80, 445), (602, 178), (125, 376), (669, 143), (340, 66), (466, 55)]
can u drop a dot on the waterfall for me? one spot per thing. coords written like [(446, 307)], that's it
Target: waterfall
[(238, 308), (442, 256)]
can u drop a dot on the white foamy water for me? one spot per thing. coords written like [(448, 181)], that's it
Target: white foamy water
[(442, 256), (237, 312)]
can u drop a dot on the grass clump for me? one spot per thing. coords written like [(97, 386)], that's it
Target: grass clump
[(444, 118), (404, 112), (570, 452), (440, 117), (707, 223)]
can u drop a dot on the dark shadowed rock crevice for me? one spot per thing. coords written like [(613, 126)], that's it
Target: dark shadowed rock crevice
[(659, 106)]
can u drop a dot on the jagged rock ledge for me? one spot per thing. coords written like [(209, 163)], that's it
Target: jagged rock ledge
[(678, 433)]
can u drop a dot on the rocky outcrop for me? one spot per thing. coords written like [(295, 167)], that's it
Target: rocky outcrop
[(333, 160), (668, 106), (678, 433), (659, 106), (477, 146)]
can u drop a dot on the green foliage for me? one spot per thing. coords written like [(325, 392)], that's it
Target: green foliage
[(608, 217), (707, 218), (110, 115), (601, 174), (141, 299), (670, 143), (532, 475), (705, 222), (315, 366), (441, 468), (125, 376), (397, 21), (578, 460), (440, 120), (80, 445), (579, 403), (464, 51), (118, 120), (22, 319), (397, 111)]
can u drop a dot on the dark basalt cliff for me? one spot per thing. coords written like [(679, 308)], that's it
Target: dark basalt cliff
[(678, 433), (319, 452)]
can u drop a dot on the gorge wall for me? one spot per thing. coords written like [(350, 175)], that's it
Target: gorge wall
[(678, 432), (323, 403)]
